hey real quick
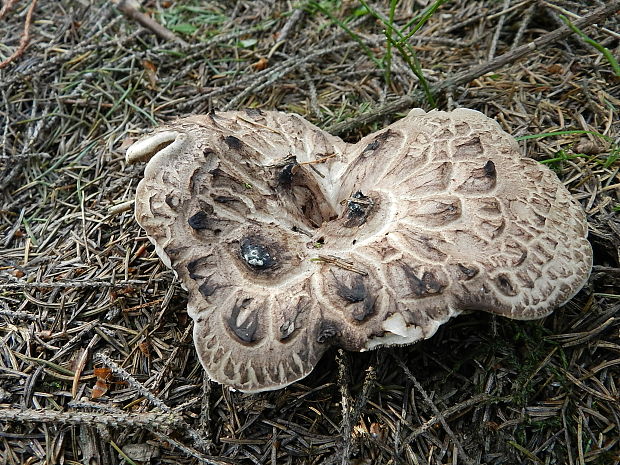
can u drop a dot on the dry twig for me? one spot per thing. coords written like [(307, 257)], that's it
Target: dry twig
[(127, 8), (25, 39)]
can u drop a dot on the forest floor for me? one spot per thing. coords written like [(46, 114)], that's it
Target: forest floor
[(97, 363)]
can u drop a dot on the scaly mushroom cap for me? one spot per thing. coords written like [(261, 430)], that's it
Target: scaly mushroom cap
[(290, 241)]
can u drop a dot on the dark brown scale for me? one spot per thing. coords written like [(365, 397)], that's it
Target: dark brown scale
[(233, 143), (374, 145), (224, 199), (207, 289), (505, 285), (193, 266), (521, 258), (229, 369), (361, 312), (431, 284), (468, 272), (285, 177), (286, 329), (246, 331), (377, 141), (486, 176), (172, 201), (356, 293), (327, 330), (357, 209), (357, 212), (291, 324), (428, 285), (200, 220), (489, 169)]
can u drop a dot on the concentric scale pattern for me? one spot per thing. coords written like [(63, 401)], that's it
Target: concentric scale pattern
[(290, 241)]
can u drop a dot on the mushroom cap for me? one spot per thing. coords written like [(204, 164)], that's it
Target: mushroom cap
[(290, 240)]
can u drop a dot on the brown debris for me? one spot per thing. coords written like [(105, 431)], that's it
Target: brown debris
[(509, 392)]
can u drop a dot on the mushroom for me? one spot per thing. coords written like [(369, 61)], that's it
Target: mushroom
[(290, 240)]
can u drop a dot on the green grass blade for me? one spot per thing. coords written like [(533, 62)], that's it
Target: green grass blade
[(424, 17), (604, 50), (351, 33), (563, 133), (387, 59), (405, 49), (412, 61)]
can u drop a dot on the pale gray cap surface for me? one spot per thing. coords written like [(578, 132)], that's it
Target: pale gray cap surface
[(290, 241)]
